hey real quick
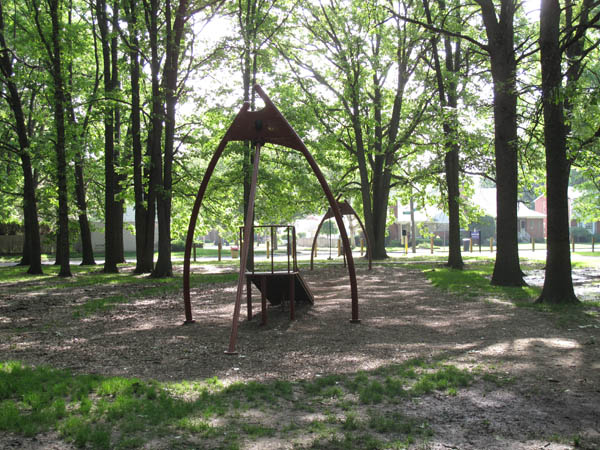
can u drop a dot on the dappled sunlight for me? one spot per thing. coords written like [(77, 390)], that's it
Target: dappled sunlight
[(550, 342), (403, 317)]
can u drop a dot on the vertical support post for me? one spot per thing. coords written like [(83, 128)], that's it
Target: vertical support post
[(406, 245), (268, 249), (362, 245), (593, 242), (470, 245), (244, 254), (292, 297), (249, 297), (491, 245), (339, 245), (288, 247), (219, 248), (194, 248), (294, 254), (532, 244), (573, 244), (263, 300), (272, 248), (431, 244)]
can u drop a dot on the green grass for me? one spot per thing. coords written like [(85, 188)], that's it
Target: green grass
[(100, 412), (15, 279), (473, 283)]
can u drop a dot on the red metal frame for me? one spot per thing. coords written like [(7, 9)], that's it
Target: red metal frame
[(264, 126), (345, 210)]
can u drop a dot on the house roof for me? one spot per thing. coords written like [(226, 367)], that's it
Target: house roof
[(523, 212), (484, 198)]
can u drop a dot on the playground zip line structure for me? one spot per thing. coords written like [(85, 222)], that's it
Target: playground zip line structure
[(267, 125)]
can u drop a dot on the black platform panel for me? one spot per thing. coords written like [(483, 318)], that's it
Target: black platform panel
[(278, 287)]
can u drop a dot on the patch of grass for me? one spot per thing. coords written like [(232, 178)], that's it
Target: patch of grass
[(323, 385), (398, 423), (115, 412), (443, 378), (569, 315), (16, 279), (254, 430), (474, 281), (349, 442), (412, 378), (351, 422), (162, 287), (497, 378), (99, 305)]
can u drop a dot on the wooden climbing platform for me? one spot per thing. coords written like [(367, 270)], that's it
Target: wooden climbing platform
[(277, 287)]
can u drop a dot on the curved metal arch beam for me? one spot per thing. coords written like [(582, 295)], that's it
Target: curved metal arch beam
[(312, 248), (266, 125), (194, 218), (348, 212), (369, 254)]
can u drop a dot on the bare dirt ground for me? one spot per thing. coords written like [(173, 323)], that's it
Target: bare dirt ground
[(547, 395)]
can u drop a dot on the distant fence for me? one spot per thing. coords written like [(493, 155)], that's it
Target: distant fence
[(11, 244), (322, 241)]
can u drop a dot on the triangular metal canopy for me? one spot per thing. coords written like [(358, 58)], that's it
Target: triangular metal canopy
[(260, 127)]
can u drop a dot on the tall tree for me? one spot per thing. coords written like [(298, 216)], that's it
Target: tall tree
[(352, 52), (111, 205), (53, 48), (558, 283), (259, 21), (174, 35), (78, 137), (447, 83), (144, 237), (498, 19), (32, 253), (499, 27), (176, 19)]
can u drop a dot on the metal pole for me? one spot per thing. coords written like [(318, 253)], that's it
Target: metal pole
[(272, 248), (194, 217), (329, 226), (244, 256)]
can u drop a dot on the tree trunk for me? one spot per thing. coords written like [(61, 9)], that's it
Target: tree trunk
[(87, 250), (247, 20), (144, 261), (110, 225), (61, 158), (413, 226), (447, 93), (558, 283), (500, 34), (155, 134), (31, 245), (118, 178), (32, 227), (451, 164)]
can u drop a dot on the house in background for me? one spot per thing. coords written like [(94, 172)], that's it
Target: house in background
[(430, 218), (128, 235), (541, 206), (531, 223)]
